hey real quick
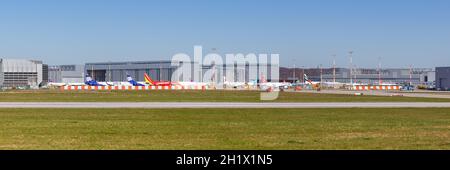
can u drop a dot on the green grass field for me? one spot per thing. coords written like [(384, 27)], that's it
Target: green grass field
[(225, 129), (191, 96)]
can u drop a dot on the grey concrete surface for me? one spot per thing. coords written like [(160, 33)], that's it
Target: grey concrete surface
[(221, 105)]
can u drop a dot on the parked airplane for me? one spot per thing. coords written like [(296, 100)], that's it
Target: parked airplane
[(90, 82), (264, 85), (65, 84), (308, 81), (56, 84), (235, 84), (150, 81), (133, 82), (129, 82)]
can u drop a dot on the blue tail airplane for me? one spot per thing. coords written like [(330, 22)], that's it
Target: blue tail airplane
[(133, 82), (90, 82)]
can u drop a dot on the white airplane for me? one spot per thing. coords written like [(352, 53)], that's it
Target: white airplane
[(91, 82), (234, 84), (308, 81), (187, 83), (88, 81), (65, 84), (264, 85), (56, 84)]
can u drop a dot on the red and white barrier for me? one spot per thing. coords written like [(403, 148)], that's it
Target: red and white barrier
[(175, 87), (377, 87)]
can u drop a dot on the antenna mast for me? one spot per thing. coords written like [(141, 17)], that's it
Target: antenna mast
[(334, 68), (351, 67), (379, 71)]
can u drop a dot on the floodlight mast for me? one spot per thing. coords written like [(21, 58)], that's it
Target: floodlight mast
[(379, 71), (293, 73), (321, 73), (334, 68), (351, 66), (303, 75), (410, 74)]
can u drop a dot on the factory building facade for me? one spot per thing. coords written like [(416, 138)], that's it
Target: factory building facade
[(22, 73), (361, 75), (118, 71), (163, 71), (443, 78), (66, 74), (32, 73)]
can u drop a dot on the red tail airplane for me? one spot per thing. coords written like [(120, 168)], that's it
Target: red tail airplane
[(149, 81)]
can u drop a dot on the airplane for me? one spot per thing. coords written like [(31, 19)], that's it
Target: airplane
[(150, 81), (234, 84), (186, 83), (129, 82), (237, 84), (308, 81), (133, 82), (90, 82), (56, 84), (264, 85), (274, 85)]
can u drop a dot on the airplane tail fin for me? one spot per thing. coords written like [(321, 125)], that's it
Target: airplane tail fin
[(263, 78), (131, 81), (87, 78), (307, 79), (89, 81), (129, 78), (148, 79)]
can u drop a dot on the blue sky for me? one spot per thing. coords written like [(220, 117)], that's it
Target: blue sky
[(304, 32)]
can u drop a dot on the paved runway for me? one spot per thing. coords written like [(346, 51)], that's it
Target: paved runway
[(423, 94), (219, 105)]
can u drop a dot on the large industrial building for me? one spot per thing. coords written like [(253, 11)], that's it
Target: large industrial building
[(20, 73), (118, 71), (414, 76), (443, 78), (161, 70), (32, 73), (66, 74)]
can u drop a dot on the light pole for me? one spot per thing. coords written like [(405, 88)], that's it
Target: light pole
[(351, 67), (213, 77), (334, 68), (293, 75), (321, 72), (379, 71), (109, 71), (410, 74), (303, 75), (160, 70), (355, 71), (92, 72)]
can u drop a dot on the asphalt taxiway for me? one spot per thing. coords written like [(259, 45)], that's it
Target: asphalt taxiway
[(169, 105)]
